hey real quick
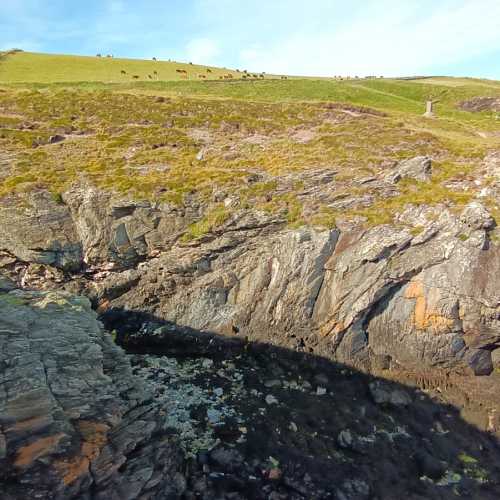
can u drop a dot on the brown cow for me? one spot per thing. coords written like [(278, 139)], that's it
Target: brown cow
[(123, 72), (209, 70), (135, 77)]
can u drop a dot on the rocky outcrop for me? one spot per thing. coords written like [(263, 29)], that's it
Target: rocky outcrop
[(123, 232), (415, 295), (416, 299), (74, 421), (40, 230), (418, 168), (79, 419), (477, 104)]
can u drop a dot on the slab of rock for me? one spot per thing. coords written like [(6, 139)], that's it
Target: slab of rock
[(39, 229), (74, 421), (418, 168)]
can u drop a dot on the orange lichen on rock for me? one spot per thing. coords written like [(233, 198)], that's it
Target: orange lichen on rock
[(94, 436), (29, 453), (425, 316), (333, 327)]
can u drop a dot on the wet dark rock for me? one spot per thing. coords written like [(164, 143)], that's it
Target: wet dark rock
[(226, 458), (429, 466), (383, 393)]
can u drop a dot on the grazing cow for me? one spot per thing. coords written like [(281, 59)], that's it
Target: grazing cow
[(181, 71), (261, 75), (202, 76), (123, 72), (154, 58), (190, 63), (135, 77), (209, 70), (150, 77), (98, 55), (184, 76), (229, 75), (221, 77)]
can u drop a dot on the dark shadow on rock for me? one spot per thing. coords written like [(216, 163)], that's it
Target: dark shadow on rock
[(316, 428)]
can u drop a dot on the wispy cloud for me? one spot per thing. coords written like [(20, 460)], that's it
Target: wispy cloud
[(390, 39), (202, 51)]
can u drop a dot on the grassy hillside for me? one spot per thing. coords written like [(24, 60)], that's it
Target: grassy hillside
[(173, 141), (47, 68)]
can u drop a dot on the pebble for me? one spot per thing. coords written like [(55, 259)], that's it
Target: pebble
[(213, 416), (271, 400), (320, 391), (345, 439), (274, 474), (293, 427), (272, 383), (207, 363)]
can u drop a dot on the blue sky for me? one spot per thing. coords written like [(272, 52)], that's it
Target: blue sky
[(308, 37)]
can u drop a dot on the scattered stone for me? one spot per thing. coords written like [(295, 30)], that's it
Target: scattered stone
[(321, 391), (429, 466), (271, 400), (228, 458), (272, 383), (383, 394), (345, 439)]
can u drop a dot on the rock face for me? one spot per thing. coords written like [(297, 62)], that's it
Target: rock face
[(418, 300), (419, 295), (74, 421), (41, 231), (481, 104)]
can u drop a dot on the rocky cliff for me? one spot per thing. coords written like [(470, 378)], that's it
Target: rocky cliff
[(212, 418), (74, 421), (417, 294)]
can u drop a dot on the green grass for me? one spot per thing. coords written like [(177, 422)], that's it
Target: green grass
[(29, 67), (142, 139)]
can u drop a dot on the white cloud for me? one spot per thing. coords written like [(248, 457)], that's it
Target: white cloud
[(202, 51), (389, 38)]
